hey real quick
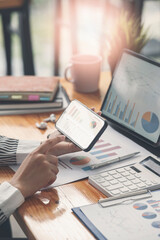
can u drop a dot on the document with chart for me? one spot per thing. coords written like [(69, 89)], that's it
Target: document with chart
[(133, 99), (130, 220)]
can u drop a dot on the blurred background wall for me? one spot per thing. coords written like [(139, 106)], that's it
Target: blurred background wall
[(90, 29)]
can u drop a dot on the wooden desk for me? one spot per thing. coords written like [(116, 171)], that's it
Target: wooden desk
[(47, 215)]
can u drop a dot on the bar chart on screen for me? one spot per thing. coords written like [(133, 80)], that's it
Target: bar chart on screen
[(133, 115), (124, 111)]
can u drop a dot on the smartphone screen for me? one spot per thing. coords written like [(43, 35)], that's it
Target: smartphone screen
[(81, 125)]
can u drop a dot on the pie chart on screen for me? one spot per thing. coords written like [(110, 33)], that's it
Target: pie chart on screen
[(93, 124), (150, 122)]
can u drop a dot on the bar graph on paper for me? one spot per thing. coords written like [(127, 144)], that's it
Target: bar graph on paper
[(101, 152)]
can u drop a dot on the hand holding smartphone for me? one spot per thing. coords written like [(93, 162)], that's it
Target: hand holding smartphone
[(81, 125)]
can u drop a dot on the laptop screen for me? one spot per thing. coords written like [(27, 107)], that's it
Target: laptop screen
[(133, 99)]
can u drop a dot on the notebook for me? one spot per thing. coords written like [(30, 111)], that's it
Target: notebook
[(28, 88)]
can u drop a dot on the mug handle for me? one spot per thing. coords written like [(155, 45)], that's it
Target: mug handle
[(66, 71)]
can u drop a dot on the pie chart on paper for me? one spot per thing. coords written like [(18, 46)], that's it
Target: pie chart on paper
[(156, 224), (140, 206), (149, 215), (150, 122), (80, 160)]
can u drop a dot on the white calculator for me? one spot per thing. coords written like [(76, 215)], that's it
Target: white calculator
[(126, 179)]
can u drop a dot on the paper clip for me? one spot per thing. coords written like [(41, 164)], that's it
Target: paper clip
[(125, 198)]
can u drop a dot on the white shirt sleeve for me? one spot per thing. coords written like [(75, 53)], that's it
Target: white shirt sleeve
[(10, 199)]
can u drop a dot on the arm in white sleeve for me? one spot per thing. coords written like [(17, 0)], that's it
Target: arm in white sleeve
[(10, 199), (14, 151)]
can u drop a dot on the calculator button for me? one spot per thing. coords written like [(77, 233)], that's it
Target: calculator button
[(127, 168), (122, 179), (100, 180), (113, 187), (148, 183), (127, 183), (125, 174), (143, 180), (141, 185), (133, 187), (109, 178), (112, 172), (117, 175), (104, 174), (132, 172), (120, 170), (137, 175), (124, 190), (130, 177), (115, 192), (105, 184), (113, 182), (135, 181)]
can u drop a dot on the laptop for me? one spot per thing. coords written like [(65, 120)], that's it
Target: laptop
[(132, 102)]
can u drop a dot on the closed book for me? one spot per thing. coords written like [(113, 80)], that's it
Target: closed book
[(28, 88)]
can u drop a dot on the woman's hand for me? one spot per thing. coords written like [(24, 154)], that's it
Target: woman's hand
[(62, 147), (66, 146), (39, 169)]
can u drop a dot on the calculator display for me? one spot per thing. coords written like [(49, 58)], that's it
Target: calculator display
[(152, 164)]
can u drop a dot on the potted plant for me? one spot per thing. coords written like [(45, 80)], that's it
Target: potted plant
[(128, 33)]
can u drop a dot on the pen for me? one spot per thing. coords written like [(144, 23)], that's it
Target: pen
[(125, 195), (95, 166), (125, 198)]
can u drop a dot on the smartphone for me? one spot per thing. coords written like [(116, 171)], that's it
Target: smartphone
[(81, 125)]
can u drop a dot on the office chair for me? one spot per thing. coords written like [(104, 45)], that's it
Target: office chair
[(21, 7)]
